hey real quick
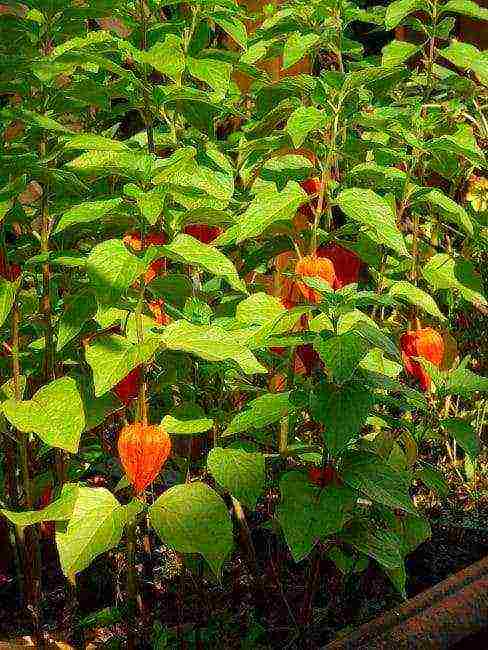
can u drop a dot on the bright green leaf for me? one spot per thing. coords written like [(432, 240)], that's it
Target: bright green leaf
[(55, 413), (192, 518)]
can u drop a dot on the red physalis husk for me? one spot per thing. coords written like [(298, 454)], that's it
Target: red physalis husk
[(127, 390), (425, 343), (347, 264), (143, 450), (203, 232), (323, 476), (306, 360)]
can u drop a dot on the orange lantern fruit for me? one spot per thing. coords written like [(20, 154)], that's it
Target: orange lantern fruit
[(290, 294), (346, 264), (156, 268), (156, 307), (312, 266), (127, 390), (133, 240), (143, 450), (425, 343), (312, 185), (203, 232)]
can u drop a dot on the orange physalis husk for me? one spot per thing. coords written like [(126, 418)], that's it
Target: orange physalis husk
[(346, 264), (134, 240), (425, 343), (312, 185), (290, 294), (203, 232), (156, 307), (312, 266), (156, 268), (277, 383), (143, 450)]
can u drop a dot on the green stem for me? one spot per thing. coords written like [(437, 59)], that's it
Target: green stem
[(147, 112), (140, 340)]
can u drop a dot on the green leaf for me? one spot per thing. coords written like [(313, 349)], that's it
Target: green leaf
[(129, 164), (186, 426), (193, 252), (94, 142), (240, 472), (308, 514), (400, 9), (150, 203), (377, 337), (80, 308), (211, 343), (44, 122), (375, 362), (8, 291), (59, 510), (192, 518), (341, 354), (397, 52), (112, 269), (445, 272), (415, 296), (370, 475), (381, 545), (111, 358), (86, 213), (461, 381), (464, 434), (7, 389), (261, 412), (343, 411), (259, 309), (213, 72), (296, 46), (461, 143), (167, 57), (449, 209), (232, 26), (377, 176), (95, 526), (303, 121), (465, 8), (170, 169), (433, 479), (467, 57), (55, 413), (376, 214), (265, 209)]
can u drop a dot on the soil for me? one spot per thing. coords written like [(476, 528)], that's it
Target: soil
[(197, 609)]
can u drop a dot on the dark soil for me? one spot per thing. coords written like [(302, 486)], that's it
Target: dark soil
[(194, 611)]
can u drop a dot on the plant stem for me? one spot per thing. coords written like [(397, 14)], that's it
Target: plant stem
[(131, 584), (147, 113), (431, 55), (140, 341), (28, 537)]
